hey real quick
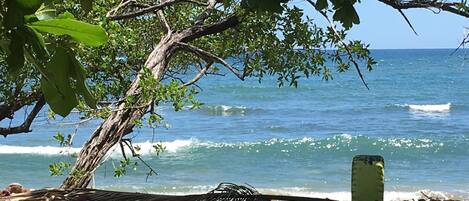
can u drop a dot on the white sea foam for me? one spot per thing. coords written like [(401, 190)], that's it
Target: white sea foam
[(337, 142), (227, 110), (144, 148), (172, 146), (431, 108), (37, 150)]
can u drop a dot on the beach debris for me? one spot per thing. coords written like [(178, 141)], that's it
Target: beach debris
[(224, 192), (4, 193), (13, 188), (432, 197)]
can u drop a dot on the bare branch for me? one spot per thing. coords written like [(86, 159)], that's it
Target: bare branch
[(164, 23), (206, 13), (463, 42), (198, 31), (408, 21), (9, 108), (347, 49), (79, 122), (148, 9), (128, 143), (451, 7), (122, 4), (136, 13), (25, 126), (199, 75), (209, 57)]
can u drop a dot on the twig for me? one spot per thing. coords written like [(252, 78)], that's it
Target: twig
[(78, 123), (408, 21), (206, 13), (128, 142), (199, 75), (446, 6), (8, 108), (464, 41), (148, 9), (209, 57), (349, 52)]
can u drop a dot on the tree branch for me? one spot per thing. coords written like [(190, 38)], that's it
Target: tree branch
[(198, 31), (463, 42), (347, 49), (149, 9), (206, 13), (199, 75), (209, 58), (408, 21), (128, 142), (8, 109), (164, 23), (24, 128), (451, 7)]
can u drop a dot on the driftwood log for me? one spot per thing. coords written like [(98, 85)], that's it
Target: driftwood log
[(98, 195)]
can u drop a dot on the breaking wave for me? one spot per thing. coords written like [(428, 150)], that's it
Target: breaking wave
[(438, 108), (38, 150), (226, 110), (337, 145)]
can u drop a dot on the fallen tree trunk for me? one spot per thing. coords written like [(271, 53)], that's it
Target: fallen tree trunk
[(98, 195)]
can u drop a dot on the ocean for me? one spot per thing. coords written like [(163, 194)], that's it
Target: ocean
[(291, 141)]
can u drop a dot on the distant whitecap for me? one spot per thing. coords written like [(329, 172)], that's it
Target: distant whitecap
[(431, 108)]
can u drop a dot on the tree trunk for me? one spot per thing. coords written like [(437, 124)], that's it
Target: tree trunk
[(119, 122), (122, 121)]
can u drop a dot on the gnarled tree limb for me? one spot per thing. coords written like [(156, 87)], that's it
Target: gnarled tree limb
[(9, 108), (25, 126)]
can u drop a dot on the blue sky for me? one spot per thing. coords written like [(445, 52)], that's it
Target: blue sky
[(384, 28)]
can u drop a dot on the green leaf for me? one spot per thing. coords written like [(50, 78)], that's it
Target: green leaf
[(86, 5), (15, 59), (345, 13), (46, 12), (88, 34), (60, 138), (79, 74), (321, 4), (36, 41), (66, 15), (264, 5), (57, 90), (30, 18)]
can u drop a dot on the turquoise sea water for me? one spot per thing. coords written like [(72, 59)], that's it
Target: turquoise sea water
[(291, 141)]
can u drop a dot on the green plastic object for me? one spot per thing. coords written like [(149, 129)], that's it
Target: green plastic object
[(367, 178)]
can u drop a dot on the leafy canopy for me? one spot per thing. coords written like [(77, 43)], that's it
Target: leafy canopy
[(56, 45), (62, 76)]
